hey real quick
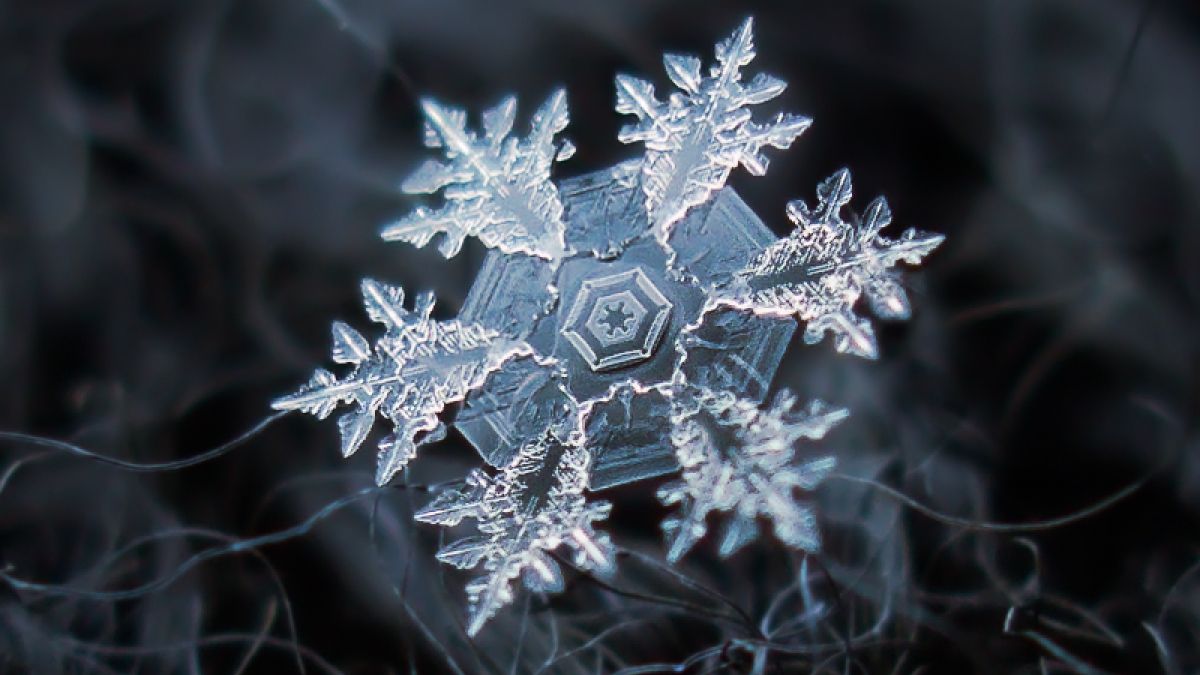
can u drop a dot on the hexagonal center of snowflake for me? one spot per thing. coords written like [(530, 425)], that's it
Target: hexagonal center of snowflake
[(613, 313), (615, 317), (617, 320)]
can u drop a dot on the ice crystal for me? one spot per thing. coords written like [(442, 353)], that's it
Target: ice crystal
[(700, 134), (585, 359), (821, 270), (739, 458), (531, 507), (496, 187), (418, 367)]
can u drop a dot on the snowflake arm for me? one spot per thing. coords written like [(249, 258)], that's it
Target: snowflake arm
[(496, 187), (821, 270), (701, 133), (756, 475), (417, 368), (527, 510)]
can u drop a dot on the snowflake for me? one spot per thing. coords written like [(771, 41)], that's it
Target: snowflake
[(625, 324)]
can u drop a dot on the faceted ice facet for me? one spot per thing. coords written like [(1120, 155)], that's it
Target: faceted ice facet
[(617, 320), (564, 313)]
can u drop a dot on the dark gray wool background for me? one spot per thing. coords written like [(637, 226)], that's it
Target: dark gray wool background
[(190, 192)]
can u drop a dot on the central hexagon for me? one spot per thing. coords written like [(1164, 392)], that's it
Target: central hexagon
[(596, 297), (617, 320), (615, 317)]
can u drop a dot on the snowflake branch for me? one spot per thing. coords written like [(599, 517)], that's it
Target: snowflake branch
[(496, 187), (417, 368), (699, 135), (755, 475), (826, 264), (525, 511)]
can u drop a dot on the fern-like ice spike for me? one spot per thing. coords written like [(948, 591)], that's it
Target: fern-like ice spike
[(700, 134), (418, 367), (755, 475), (496, 187), (826, 264), (526, 510)]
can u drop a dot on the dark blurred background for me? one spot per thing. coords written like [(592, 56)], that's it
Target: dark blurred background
[(190, 191)]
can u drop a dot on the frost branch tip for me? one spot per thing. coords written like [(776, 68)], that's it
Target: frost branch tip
[(754, 477), (697, 136), (413, 371), (820, 271), (495, 187)]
